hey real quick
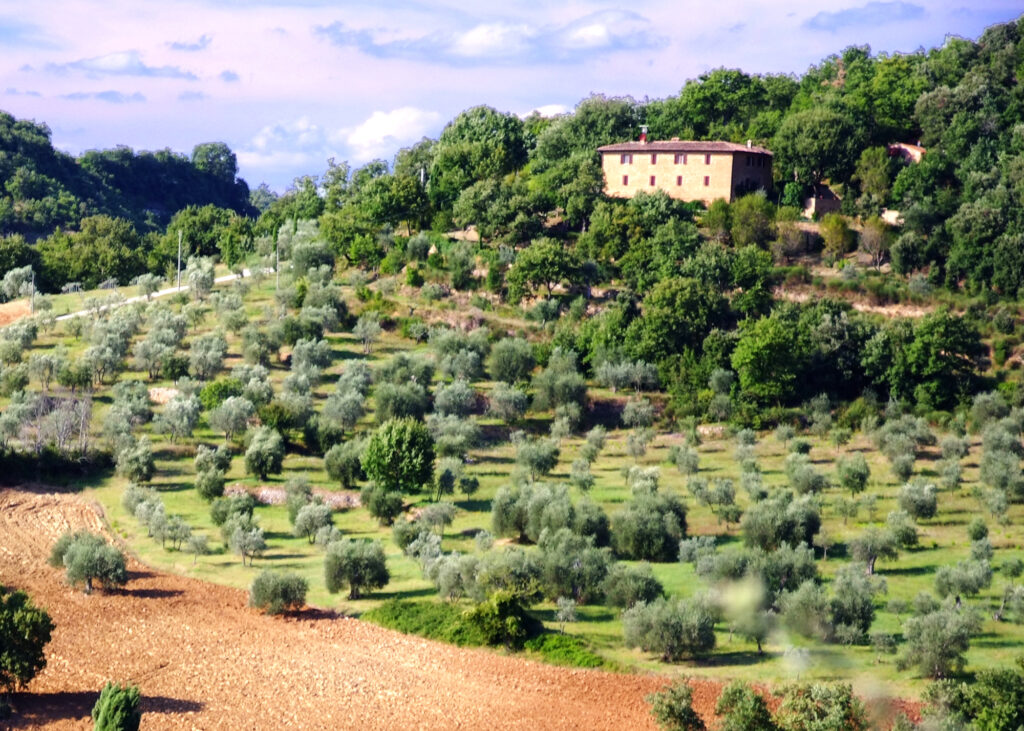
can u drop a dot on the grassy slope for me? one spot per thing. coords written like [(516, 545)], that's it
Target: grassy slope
[(943, 540)]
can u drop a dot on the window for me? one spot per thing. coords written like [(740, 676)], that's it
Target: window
[(707, 159), (652, 180), (654, 158), (679, 180), (625, 180), (678, 158), (707, 180), (626, 159)]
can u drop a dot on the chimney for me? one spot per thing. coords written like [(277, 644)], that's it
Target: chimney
[(750, 143), (643, 133)]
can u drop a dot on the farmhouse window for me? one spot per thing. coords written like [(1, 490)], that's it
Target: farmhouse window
[(707, 180), (626, 159), (707, 159), (625, 180), (679, 180), (654, 158), (652, 180)]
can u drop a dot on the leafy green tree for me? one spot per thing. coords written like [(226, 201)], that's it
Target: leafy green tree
[(24, 632), (276, 593), (311, 518), (136, 462), (874, 544), (818, 143), (359, 565), (678, 313), (672, 708), (511, 360), (918, 499), (117, 708), (546, 263), (768, 359), (937, 641), (672, 628), (265, 453), (853, 473), (87, 557), (628, 585), (343, 462), (508, 403), (400, 456), (752, 218), (649, 527)]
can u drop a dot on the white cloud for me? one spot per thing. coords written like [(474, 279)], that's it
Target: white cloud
[(384, 132), (548, 110), (121, 63), (493, 40)]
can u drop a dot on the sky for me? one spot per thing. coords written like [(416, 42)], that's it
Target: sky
[(288, 84)]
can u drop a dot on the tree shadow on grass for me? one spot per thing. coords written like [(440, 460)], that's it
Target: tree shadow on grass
[(405, 594), (723, 659), (37, 710), (907, 571), (152, 593)]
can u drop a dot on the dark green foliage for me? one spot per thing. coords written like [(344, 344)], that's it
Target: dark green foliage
[(400, 456), (743, 709), (87, 557), (383, 504), (502, 619), (672, 708), (24, 632), (434, 620), (781, 520), (215, 393), (564, 650), (117, 708), (819, 706), (993, 700), (276, 593), (343, 462), (571, 566), (265, 453), (511, 360)]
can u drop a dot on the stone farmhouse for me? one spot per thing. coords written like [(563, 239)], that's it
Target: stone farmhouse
[(689, 171)]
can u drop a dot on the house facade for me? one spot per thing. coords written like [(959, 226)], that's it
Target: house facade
[(689, 171)]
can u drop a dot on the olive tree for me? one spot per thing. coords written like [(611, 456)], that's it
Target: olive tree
[(232, 416), (359, 565), (276, 593), (672, 628), (265, 453), (88, 558)]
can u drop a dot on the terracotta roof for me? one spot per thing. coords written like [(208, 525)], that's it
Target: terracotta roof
[(681, 146)]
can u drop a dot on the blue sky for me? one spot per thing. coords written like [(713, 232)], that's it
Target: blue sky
[(290, 83)]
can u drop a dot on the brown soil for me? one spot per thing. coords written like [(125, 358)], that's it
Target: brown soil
[(13, 311), (204, 660)]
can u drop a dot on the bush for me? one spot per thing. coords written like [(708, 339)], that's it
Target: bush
[(565, 650), (511, 360), (24, 632), (672, 708), (673, 628), (936, 641), (431, 619), (853, 473), (343, 462), (117, 708), (400, 456), (276, 593), (502, 620), (265, 453)]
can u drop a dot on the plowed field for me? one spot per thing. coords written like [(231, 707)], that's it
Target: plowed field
[(204, 660)]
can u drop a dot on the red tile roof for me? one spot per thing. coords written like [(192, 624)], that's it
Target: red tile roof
[(682, 146)]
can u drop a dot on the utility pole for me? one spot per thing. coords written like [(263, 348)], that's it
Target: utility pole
[(277, 262), (179, 259), (32, 296)]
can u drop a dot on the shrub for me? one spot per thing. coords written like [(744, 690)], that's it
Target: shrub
[(431, 619), (853, 473), (276, 593), (936, 641), (24, 632), (508, 403), (565, 650), (673, 628), (400, 456), (343, 462), (265, 453), (672, 708), (117, 708), (511, 360), (502, 620)]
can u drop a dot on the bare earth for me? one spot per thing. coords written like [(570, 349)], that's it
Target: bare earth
[(204, 660)]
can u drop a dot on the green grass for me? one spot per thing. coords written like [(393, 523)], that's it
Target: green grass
[(567, 650)]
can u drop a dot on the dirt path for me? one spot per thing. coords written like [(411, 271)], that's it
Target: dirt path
[(203, 660)]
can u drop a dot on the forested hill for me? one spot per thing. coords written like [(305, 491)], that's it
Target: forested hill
[(45, 189)]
